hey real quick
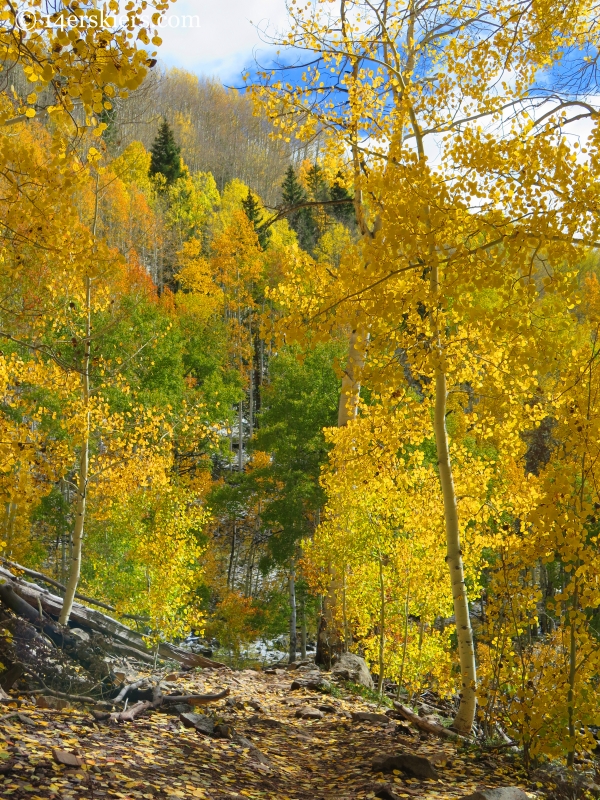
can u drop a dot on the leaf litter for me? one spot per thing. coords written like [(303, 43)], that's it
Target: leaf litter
[(267, 751)]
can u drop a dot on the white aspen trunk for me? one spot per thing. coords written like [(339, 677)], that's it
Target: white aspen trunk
[(82, 483), (293, 628), (381, 627), (303, 628), (241, 437), (251, 404), (10, 528), (465, 717), (84, 457), (350, 392)]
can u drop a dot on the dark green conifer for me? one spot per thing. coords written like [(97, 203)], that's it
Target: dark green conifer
[(252, 208), (302, 220), (343, 212), (166, 157), (292, 191)]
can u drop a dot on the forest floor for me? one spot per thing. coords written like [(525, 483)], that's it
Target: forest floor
[(273, 753)]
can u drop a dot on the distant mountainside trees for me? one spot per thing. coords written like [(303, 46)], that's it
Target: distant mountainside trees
[(215, 127)]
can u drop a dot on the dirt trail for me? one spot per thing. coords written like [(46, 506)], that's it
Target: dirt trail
[(273, 753)]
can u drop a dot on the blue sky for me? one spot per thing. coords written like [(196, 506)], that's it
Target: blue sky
[(226, 40)]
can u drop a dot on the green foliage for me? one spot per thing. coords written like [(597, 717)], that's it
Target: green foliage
[(166, 158), (344, 212), (368, 694), (301, 220), (252, 208), (300, 400)]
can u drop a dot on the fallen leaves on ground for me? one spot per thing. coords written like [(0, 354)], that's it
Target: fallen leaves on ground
[(273, 754)]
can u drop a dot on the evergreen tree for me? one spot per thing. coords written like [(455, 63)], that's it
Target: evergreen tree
[(166, 157), (301, 221), (344, 212), (317, 183), (252, 208), (292, 192)]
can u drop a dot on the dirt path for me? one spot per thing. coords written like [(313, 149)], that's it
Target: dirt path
[(272, 755)]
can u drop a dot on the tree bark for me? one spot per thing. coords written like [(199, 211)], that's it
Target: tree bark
[(241, 437), (466, 650), (303, 628), (84, 463), (293, 629), (381, 627), (350, 391)]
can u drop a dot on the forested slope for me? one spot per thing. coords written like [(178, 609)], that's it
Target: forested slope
[(313, 367)]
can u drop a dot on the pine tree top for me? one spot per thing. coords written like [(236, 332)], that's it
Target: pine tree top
[(292, 191), (166, 155)]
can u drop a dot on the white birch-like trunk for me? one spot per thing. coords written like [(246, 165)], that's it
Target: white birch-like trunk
[(83, 477), (241, 437), (465, 717), (303, 628), (350, 392), (293, 626)]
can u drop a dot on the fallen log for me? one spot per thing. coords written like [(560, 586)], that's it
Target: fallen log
[(21, 607), (45, 579), (126, 689), (196, 699), (427, 725), (82, 616), (76, 698), (128, 715)]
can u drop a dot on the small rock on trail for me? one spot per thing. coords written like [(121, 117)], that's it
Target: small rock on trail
[(502, 793), (419, 766)]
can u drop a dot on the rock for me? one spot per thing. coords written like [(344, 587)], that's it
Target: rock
[(267, 721), (181, 708), (66, 759), (369, 716), (441, 759), (256, 706), (306, 712), (314, 682), (327, 709), (200, 722), (386, 793), (254, 752), (223, 731), (503, 793), (27, 721), (350, 667), (47, 701), (11, 676), (82, 635), (417, 766)]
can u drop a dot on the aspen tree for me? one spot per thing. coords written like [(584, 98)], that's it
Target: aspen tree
[(416, 78)]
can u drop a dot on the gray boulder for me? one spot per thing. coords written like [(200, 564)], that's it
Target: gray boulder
[(417, 766), (350, 667), (503, 793), (306, 712), (370, 716), (200, 722)]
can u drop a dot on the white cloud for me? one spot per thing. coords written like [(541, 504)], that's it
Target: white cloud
[(227, 37)]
